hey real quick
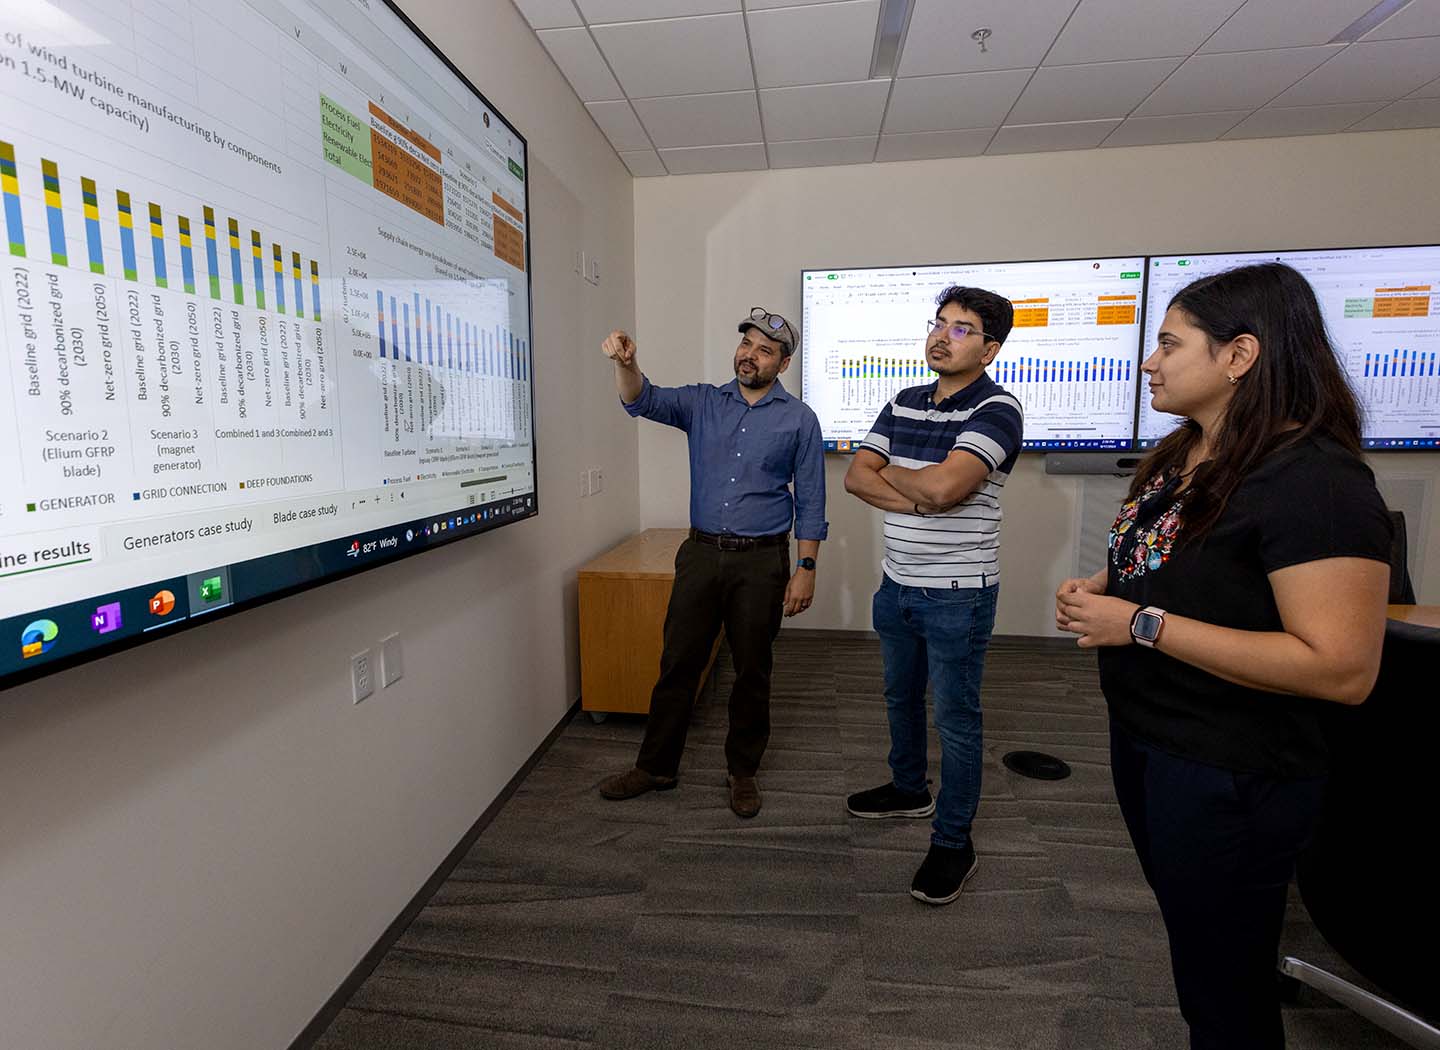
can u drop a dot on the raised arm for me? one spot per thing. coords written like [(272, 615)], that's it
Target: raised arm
[(629, 382)]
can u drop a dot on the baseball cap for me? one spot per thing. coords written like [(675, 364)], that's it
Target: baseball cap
[(773, 326)]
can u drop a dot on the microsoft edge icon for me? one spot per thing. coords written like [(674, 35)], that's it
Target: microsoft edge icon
[(39, 637)]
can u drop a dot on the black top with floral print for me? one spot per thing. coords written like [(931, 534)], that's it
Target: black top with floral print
[(1305, 502)]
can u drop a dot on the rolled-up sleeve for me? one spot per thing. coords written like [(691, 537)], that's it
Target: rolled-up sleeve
[(672, 405), (810, 523)]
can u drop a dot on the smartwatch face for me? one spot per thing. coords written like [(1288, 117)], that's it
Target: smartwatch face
[(1147, 626)]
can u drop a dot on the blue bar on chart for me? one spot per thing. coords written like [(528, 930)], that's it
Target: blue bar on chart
[(91, 201), (419, 343), (127, 235), (315, 289), (187, 254), (379, 306), (237, 281), (394, 331), (277, 264), (406, 308), (10, 187), (257, 261), (157, 246), (50, 174), (299, 286), (212, 254), (430, 336)]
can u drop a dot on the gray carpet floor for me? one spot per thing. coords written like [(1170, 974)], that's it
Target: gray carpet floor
[(667, 922)]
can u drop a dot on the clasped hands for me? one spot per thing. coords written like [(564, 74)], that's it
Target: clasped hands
[(1082, 609)]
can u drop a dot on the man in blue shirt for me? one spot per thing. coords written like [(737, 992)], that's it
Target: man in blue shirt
[(749, 439), (935, 462)]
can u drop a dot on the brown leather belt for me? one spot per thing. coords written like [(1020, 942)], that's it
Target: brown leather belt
[(729, 542)]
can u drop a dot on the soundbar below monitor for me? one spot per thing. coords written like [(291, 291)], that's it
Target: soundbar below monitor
[(1071, 358), (1380, 308), (265, 315)]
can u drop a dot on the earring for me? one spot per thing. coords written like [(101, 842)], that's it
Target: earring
[(1232, 379)]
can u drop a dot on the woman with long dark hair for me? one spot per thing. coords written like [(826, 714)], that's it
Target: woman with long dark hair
[(1244, 588)]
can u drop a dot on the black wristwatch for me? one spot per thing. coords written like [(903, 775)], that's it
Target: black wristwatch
[(805, 563), (1146, 625)]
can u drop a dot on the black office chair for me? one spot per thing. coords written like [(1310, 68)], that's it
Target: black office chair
[(1401, 590), (1364, 879)]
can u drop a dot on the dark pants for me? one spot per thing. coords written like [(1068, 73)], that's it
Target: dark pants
[(743, 591), (1218, 848)]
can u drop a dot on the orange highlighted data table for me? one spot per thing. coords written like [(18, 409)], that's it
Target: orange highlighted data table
[(406, 166)]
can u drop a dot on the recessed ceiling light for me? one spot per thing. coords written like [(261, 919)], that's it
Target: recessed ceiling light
[(1368, 21), (894, 18)]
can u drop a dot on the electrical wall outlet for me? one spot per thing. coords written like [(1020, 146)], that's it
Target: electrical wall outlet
[(593, 274), (597, 481), (362, 679), (392, 661), (584, 483)]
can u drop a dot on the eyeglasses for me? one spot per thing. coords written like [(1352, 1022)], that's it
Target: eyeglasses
[(955, 331), (773, 322)]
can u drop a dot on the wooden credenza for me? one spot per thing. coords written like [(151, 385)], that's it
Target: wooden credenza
[(623, 597)]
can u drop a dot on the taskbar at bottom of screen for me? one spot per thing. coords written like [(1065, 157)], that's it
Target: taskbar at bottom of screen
[(68, 633)]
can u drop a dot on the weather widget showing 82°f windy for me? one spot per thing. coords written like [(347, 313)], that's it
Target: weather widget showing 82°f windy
[(265, 313)]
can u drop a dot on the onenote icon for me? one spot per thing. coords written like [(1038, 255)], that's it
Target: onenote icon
[(39, 637), (162, 603), (106, 618)]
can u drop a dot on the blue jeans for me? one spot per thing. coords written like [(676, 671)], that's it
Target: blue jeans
[(940, 636)]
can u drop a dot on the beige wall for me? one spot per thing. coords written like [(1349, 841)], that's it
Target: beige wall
[(200, 838), (709, 247)]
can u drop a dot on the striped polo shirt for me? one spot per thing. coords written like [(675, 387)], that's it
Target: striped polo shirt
[(959, 548)]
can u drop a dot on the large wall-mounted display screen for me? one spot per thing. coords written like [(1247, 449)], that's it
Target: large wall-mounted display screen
[(1071, 358), (1379, 306), (265, 316)]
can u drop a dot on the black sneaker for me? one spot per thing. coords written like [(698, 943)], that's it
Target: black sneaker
[(889, 801), (943, 874)]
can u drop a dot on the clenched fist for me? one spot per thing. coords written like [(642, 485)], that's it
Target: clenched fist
[(620, 348)]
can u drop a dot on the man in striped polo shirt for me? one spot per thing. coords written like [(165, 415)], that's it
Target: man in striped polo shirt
[(935, 462)]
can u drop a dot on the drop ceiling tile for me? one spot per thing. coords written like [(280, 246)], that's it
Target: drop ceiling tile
[(820, 44), (617, 121), (1237, 80), (1407, 113), (1421, 18), (1279, 121), (824, 111), (931, 145), (598, 12), (701, 120), (748, 156), (1430, 90), (1089, 92), (938, 40), (549, 14), (1113, 30), (766, 5), (576, 55), (643, 163), (1266, 24), (1378, 72), (1188, 127), (678, 56), (950, 103), (822, 152), (1043, 138)]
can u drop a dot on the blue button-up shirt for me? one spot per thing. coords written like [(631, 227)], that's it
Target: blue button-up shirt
[(743, 457)]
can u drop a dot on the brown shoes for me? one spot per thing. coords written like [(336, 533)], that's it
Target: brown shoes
[(634, 782), (744, 795)]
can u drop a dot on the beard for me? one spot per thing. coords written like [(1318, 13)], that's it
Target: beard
[(757, 378)]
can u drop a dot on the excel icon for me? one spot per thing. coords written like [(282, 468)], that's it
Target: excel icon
[(211, 589)]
